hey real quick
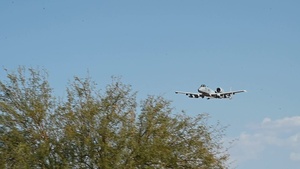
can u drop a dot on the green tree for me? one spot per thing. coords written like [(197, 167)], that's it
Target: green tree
[(94, 129), (25, 107), (178, 141)]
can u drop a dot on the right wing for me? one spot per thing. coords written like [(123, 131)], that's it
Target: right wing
[(190, 95)]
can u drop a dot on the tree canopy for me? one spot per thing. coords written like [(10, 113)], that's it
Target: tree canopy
[(105, 129)]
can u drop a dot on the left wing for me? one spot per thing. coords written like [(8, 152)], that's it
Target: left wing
[(228, 93), (233, 92), (190, 95)]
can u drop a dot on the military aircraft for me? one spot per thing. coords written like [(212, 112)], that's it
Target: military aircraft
[(204, 91)]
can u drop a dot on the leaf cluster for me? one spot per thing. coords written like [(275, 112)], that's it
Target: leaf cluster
[(107, 130)]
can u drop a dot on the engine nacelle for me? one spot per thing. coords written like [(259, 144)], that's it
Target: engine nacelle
[(219, 90)]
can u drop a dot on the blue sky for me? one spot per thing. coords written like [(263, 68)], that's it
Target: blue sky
[(162, 46)]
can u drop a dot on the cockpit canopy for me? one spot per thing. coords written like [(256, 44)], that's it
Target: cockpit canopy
[(203, 85)]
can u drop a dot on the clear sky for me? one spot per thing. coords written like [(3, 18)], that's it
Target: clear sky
[(160, 46)]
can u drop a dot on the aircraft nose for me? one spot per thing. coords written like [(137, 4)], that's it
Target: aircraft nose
[(199, 90)]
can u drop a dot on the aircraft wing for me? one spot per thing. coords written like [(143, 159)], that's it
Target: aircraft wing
[(229, 93), (190, 94), (234, 92)]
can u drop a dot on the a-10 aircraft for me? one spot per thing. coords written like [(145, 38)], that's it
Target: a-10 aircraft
[(204, 91)]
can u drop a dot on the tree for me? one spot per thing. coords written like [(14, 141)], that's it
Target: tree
[(90, 129), (25, 107)]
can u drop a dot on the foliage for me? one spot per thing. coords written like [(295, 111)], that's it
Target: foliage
[(90, 129)]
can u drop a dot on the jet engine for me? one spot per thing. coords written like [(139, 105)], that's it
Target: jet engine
[(219, 90)]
